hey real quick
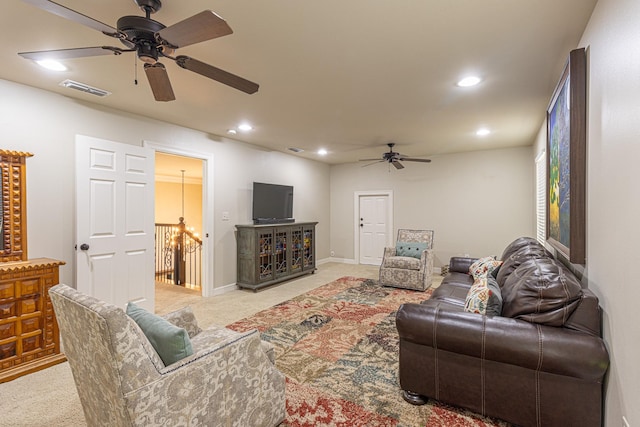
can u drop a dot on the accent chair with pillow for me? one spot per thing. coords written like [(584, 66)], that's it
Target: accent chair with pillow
[(165, 370), (409, 265)]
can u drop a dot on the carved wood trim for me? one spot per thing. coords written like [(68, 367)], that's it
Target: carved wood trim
[(13, 227)]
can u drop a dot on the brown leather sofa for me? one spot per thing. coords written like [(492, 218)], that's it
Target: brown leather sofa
[(541, 362)]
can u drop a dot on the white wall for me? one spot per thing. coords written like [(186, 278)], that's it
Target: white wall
[(612, 40), (45, 124), (476, 203)]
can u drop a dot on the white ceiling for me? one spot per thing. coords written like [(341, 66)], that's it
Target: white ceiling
[(345, 75)]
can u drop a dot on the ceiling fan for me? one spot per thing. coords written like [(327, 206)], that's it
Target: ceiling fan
[(394, 158), (151, 40)]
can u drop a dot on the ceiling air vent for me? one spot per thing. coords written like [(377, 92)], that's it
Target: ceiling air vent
[(295, 150), (84, 88)]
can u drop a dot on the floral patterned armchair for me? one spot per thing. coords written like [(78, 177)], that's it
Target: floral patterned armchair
[(409, 264), (230, 378)]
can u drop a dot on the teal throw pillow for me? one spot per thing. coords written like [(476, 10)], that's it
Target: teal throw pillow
[(494, 307), (412, 249), (170, 342), (484, 297)]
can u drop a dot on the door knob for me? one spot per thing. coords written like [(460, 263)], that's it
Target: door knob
[(84, 247)]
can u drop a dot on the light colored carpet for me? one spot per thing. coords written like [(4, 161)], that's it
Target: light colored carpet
[(49, 397)]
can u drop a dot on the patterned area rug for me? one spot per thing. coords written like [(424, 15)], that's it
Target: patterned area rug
[(338, 347)]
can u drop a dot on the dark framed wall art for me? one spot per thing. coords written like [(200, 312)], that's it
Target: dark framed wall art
[(566, 160)]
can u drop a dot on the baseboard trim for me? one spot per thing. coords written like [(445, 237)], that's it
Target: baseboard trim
[(340, 260), (224, 289)]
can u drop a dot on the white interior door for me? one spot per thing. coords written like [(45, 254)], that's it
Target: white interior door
[(115, 221), (374, 228)]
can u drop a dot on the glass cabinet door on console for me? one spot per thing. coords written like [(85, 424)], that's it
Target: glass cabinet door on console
[(265, 255), (280, 260), (296, 249), (308, 251), (268, 254)]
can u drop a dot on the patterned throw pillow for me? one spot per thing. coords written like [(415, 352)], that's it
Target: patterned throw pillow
[(484, 297), (484, 266), (412, 249)]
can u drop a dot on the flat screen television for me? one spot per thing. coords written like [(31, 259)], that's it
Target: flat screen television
[(272, 203)]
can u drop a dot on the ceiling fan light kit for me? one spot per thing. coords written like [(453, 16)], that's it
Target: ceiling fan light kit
[(151, 40)]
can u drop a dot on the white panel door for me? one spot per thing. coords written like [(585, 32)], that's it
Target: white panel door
[(115, 221), (373, 228)]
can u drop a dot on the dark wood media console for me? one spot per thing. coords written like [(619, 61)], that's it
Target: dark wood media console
[(272, 253)]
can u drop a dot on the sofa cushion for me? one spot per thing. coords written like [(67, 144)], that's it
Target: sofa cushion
[(404, 262), (484, 297), (518, 244), (170, 342), (516, 258), (541, 291), (410, 249), (453, 292)]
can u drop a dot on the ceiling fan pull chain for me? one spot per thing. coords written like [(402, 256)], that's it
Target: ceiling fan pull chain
[(135, 70)]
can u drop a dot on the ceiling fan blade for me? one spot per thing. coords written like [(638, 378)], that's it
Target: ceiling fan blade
[(203, 26), (370, 160), (374, 163), (65, 12), (409, 159), (80, 52), (397, 164), (217, 74), (159, 82)]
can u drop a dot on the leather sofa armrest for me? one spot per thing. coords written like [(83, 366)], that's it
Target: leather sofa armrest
[(511, 341), (461, 264)]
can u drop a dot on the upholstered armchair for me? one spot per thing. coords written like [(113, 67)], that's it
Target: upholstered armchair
[(409, 264), (230, 378)]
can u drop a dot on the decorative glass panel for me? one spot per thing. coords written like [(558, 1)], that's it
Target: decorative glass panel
[(296, 250), (308, 248), (281, 253), (265, 266)]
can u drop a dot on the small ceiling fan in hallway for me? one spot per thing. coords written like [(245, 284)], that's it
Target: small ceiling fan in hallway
[(394, 158), (151, 40)]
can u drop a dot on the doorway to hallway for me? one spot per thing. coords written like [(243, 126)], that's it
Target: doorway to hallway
[(178, 220)]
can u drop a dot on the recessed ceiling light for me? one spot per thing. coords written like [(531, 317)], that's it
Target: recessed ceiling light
[(322, 152), (52, 65), (231, 131), (483, 132), (245, 127), (469, 81)]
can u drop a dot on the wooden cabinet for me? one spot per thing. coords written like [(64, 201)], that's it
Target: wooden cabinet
[(29, 339), (272, 253), (28, 328)]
